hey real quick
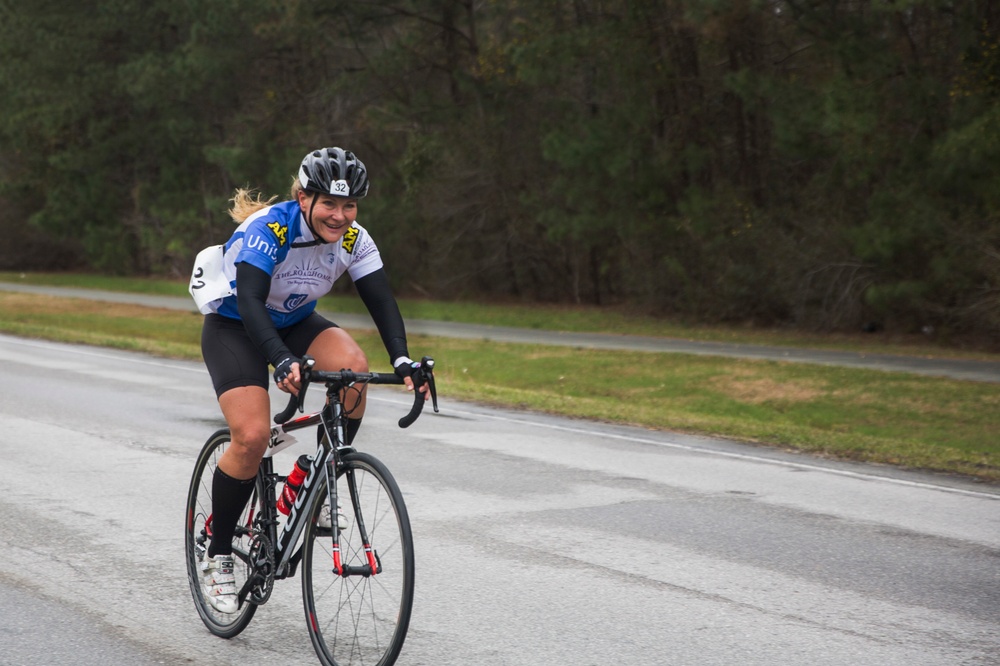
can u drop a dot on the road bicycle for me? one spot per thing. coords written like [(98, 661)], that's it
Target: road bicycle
[(357, 582)]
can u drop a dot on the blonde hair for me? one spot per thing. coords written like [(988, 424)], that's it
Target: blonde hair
[(246, 202)]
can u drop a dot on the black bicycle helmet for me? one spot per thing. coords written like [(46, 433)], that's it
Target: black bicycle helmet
[(334, 171)]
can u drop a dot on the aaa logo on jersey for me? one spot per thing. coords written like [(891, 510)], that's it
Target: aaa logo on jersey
[(280, 231), (350, 238)]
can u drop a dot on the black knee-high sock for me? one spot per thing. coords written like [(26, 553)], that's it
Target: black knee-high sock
[(351, 429), (229, 497)]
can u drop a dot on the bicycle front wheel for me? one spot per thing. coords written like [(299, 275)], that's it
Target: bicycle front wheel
[(197, 535), (360, 618)]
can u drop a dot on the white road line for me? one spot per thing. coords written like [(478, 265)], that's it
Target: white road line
[(599, 433), (729, 454)]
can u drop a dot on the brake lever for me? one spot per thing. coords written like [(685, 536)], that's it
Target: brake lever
[(428, 362), (305, 372), (424, 374), (297, 402)]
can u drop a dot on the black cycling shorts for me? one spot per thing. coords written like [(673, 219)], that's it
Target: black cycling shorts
[(234, 361)]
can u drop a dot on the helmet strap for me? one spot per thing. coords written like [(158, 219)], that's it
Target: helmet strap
[(319, 240)]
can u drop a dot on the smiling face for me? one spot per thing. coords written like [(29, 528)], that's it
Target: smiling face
[(331, 216)]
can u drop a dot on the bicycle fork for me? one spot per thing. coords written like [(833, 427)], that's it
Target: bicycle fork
[(372, 567), (334, 424)]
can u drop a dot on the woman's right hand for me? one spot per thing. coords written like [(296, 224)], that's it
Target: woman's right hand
[(287, 375)]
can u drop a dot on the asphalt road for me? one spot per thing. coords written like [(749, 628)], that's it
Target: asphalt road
[(983, 371), (539, 540)]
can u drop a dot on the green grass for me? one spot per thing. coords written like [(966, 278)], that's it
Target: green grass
[(615, 320), (866, 415), (893, 418)]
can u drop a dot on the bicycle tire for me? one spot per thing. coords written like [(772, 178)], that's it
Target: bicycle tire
[(358, 619), (199, 508)]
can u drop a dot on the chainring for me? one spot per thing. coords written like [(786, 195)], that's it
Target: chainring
[(261, 568)]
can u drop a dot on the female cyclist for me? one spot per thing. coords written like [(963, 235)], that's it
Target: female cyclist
[(277, 263)]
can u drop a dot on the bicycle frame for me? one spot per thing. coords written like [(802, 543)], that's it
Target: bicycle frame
[(323, 467)]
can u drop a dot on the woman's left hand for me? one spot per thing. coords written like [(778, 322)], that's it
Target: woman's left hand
[(407, 368)]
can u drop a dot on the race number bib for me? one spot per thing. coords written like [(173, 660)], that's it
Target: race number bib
[(208, 282)]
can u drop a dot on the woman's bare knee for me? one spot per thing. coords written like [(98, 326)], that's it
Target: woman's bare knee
[(246, 410), (251, 437), (334, 349), (358, 362), (246, 448)]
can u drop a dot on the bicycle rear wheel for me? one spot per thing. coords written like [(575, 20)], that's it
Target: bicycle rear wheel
[(197, 531), (360, 619)]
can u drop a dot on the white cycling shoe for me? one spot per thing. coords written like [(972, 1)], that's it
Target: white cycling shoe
[(218, 583), (324, 519)]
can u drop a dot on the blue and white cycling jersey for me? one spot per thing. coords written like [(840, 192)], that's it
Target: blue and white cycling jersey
[(277, 240)]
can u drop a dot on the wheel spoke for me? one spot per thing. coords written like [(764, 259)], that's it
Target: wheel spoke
[(362, 619), (199, 508)]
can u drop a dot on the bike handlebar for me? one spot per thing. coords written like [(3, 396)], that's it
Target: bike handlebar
[(344, 378)]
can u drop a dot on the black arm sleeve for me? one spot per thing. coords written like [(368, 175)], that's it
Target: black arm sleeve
[(252, 287), (377, 295)]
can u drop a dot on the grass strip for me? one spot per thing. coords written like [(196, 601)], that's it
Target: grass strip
[(576, 319), (893, 418)]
